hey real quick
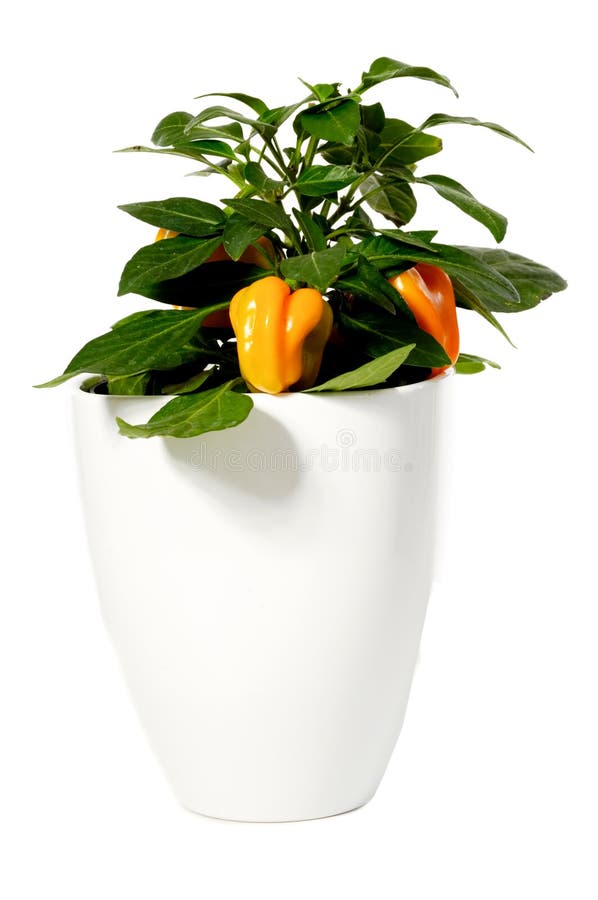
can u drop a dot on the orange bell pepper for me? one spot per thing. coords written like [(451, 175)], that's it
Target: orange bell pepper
[(280, 334)]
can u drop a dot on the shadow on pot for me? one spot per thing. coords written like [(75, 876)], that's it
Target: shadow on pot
[(258, 461)]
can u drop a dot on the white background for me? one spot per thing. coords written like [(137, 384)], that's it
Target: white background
[(492, 790)]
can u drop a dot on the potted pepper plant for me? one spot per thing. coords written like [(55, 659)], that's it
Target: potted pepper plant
[(264, 561)]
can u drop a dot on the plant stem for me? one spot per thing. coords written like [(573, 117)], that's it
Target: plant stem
[(310, 153)]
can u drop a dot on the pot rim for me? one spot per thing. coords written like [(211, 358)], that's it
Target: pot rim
[(77, 387)]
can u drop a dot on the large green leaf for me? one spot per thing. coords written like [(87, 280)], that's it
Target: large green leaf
[(402, 144), (379, 333), (317, 269), (368, 375), (442, 119), (156, 340), (392, 198), (214, 282), (455, 193), (165, 259), (318, 181), (338, 122), (194, 414), (533, 281), (384, 68), (182, 214), (262, 213), (483, 280)]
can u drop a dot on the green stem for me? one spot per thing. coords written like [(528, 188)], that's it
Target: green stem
[(310, 153), (277, 152)]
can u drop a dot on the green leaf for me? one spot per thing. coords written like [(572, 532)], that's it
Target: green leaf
[(188, 386), (182, 214), (425, 235), (128, 385), (384, 68), (254, 103), (409, 238), (314, 236), (369, 283), (337, 123), (191, 150), (155, 340), (89, 385), (171, 129), (194, 414), (318, 181), (373, 117), (239, 233), (468, 299), (132, 317), (174, 129), (274, 118), (533, 281), (402, 144), (215, 112), (317, 269), (262, 213), (468, 364), (165, 259), (214, 282), (214, 148), (455, 193), (368, 375), (481, 279), (380, 333), (256, 176), (337, 154), (392, 198), (442, 119), (230, 132), (322, 92)]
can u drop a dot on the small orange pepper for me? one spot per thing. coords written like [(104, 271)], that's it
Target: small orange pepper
[(428, 292)]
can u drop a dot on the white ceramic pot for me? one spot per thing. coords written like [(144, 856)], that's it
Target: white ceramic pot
[(265, 588)]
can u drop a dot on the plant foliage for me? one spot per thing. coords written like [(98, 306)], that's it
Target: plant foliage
[(331, 181)]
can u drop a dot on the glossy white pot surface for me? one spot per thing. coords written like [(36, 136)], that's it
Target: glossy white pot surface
[(265, 588)]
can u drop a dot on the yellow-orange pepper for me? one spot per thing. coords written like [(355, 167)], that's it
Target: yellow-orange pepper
[(280, 334), (428, 292)]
